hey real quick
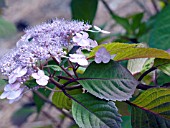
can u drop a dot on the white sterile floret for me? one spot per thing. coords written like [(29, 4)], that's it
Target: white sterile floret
[(93, 43), (100, 30), (18, 72), (102, 55), (12, 91), (41, 78), (81, 39), (78, 58)]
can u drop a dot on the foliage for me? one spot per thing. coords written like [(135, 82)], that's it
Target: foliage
[(159, 35), (86, 9), (6, 28), (93, 112), (106, 94)]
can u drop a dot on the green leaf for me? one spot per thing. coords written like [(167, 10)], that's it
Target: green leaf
[(109, 81), (84, 10), (95, 113), (163, 78), (123, 108), (126, 122), (131, 51), (113, 48), (156, 101), (2, 84), (21, 115), (54, 67), (6, 28), (136, 21), (136, 65), (148, 64), (145, 119), (163, 65), (160, 34), (124, 22), (62, 101)]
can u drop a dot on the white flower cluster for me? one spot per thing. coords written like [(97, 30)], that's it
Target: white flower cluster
[(41, 43)]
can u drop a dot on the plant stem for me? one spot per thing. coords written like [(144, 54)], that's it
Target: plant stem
[(166, 85), (142, 6), (52, 89), (69, 96), (50, 117), (155, 78), (145, 87), (74, 87), (49, 102), (56, 83), (155, 6), (74, 69), (146, 72), (63, 77), (62, 67), (107, 7)]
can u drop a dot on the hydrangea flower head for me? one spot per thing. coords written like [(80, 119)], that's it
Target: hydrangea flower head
[(40, 44)]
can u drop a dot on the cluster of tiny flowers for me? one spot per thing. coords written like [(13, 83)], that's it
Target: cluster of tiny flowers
[(40, 43)]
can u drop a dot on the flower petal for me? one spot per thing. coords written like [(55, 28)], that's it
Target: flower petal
[(85, 35), (35, 76), (16, 99), (106, 58), (45, 77), (105, 32), (42, 82), (83, 62), (12, 78), (18, 69), (22, 72), (97, 28), (4, 95), (76, 39), (41, 73), (93, 43), (102, 56), (15, 94), (97, 60), (84, 42), (11, 87)]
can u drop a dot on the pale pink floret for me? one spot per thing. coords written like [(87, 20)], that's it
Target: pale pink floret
[(102, 56), (78, 58), (82, 39), (12, 91), (41, 78), (18, 72)]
